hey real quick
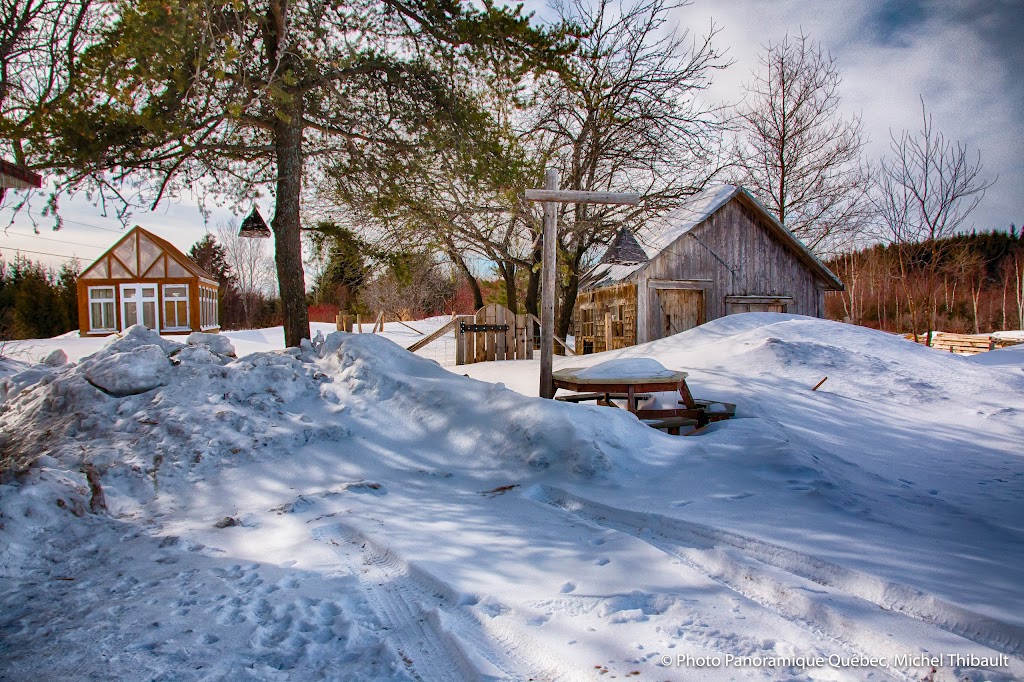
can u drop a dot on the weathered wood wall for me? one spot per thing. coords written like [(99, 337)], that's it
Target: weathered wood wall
[(732, 253), (604, 317)]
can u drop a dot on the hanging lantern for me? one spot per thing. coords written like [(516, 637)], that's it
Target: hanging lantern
[(254, 226)]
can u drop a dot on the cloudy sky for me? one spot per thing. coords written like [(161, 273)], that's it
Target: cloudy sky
[(965, 58)]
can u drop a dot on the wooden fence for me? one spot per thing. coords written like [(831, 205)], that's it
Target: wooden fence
[(494, 333)]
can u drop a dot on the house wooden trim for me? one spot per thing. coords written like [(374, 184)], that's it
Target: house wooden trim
[(141, 262)]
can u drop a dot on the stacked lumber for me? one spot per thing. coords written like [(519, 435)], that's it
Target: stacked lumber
[(963, 344)]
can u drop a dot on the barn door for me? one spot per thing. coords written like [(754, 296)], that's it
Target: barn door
[(681, 309)]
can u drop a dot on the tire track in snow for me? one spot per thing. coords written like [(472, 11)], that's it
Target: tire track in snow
[(790, 584), (434, 633)]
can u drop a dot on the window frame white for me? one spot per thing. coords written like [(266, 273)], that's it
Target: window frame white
[(112, 301), (163, 308), (140, 301), (208, 308)]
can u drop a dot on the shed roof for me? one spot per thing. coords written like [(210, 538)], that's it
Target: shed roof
[(13, 176), (138, 269), (624, 250), (664, 231)]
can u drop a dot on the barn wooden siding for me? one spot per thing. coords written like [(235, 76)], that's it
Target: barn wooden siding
[(733, 253), (599, 308)]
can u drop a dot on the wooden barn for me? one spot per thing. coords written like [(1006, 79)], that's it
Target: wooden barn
[(720, 253), (144, 279)]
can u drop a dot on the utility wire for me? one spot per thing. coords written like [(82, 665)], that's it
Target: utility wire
[(41, 253), (47, 239)]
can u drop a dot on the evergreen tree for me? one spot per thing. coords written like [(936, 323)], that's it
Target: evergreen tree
[(210, 256)]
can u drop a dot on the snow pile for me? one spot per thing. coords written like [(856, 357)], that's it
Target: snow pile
[(473, 425), (141, 369), (216, 343), (145, 405), (148, 405)]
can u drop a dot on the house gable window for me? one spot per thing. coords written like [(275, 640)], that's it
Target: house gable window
[(101, 309)]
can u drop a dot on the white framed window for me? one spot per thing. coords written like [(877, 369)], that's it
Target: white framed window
[(101, 309), (175, 297), (207, 308), (139, 306)]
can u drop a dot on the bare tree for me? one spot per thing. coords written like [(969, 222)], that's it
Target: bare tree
[(252, 265), (412, 285), (926, 191), (799, 154), (628, 114)]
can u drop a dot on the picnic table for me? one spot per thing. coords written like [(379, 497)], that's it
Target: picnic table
[(634, 380), (632, 387)]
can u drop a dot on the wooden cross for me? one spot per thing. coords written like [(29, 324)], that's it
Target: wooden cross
[(551, 196)]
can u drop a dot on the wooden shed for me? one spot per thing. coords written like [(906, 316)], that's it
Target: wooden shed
[(720, 253), (144, 279)]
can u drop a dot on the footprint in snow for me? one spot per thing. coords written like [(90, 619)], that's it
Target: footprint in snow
[(568, 587), (603, 561)]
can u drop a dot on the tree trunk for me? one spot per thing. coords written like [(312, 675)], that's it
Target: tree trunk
[(533, 283), (287, 224), (474, 286), (508, 275), (569, 292)]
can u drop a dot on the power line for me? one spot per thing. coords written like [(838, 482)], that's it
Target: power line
[(74, 222), (47, 239), (41, 253)]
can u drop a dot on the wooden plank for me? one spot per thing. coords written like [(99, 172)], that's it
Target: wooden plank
[(409, 327), (479, 341), (438, 333), (529, 337), (490, 317), (520, 332), (510, 335), (500, 347), (378, 323), (608, 331), (571, 196)]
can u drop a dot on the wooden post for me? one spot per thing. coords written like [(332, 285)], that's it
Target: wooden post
[(359, 323), (607, 331), (337, 325), (551, 196), (547, 307)]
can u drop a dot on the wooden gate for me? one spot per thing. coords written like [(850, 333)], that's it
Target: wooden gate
[(494, 333), (681, 309)]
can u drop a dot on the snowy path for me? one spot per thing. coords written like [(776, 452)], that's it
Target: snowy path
[(860, 612)]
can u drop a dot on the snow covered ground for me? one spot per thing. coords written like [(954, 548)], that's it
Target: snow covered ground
[(355, 512)]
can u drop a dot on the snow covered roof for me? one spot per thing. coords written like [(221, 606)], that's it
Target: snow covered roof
[(662, 232)]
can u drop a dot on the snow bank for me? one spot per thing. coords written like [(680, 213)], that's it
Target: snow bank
[(476, 425), (153, 407)]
